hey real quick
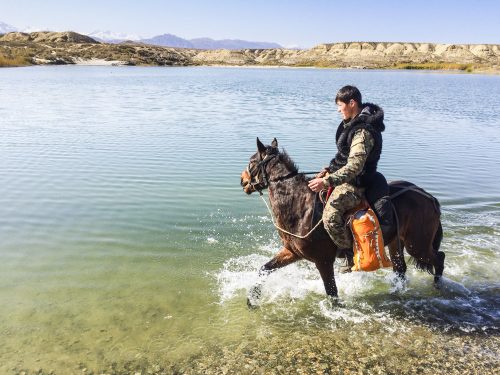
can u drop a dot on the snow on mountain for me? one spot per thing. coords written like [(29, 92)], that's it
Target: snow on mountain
[(34, 29), (111, 36)]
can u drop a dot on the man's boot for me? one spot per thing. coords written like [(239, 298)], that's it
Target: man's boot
[(346, 260)]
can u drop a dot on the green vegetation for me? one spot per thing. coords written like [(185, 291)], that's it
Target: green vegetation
[(436, 66), (316, 64)]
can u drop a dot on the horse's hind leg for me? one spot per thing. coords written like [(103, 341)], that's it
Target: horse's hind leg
[(439, 257), (282, 259)]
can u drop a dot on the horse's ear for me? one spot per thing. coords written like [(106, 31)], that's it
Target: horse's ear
[(274, 143), (260, 145)]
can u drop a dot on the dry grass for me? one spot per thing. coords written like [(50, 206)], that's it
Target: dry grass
[(437, 66), (13, 61)]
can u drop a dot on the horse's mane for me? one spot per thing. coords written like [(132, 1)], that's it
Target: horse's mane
[(288, 162)]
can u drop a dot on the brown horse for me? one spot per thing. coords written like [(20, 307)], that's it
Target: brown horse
[(297, 209)]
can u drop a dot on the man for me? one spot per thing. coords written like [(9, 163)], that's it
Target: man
[(359, 145)]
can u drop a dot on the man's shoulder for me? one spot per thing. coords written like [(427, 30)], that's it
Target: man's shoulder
[(362, 142), (362, 134)]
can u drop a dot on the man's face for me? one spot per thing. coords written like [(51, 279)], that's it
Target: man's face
[(348, 110)]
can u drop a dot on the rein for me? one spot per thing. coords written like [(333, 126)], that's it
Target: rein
[(285, 231), (416, 190)]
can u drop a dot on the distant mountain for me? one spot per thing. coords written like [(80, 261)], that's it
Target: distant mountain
[(164, 40), (6, 28), (168, 40), (208, 43)]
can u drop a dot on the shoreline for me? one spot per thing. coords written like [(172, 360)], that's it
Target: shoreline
[(68, 48), (121, 63)]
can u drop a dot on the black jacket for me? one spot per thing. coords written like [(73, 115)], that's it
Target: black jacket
[(371, 119)]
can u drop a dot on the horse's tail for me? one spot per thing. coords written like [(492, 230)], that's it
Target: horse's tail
[(436, 243), (437, 206), (425, 265), (422, 265)]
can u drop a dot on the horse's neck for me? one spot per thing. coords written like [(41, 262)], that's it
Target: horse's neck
[(290, 200)]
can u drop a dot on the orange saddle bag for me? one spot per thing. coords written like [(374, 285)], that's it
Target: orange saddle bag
[(368, 243)]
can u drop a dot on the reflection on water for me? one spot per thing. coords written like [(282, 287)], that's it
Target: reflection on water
[(128, 244)]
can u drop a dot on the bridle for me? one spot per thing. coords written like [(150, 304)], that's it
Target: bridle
[(259, 178)]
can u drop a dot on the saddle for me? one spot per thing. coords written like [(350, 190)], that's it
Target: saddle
[(377, 197)]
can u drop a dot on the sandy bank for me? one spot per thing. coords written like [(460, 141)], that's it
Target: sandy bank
[(99, 62)]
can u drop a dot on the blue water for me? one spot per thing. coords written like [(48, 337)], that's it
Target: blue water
[(123, 223)]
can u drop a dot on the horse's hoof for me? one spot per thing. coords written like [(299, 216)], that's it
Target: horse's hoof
[(251, 305), (437, 282), (253, 297), (338, 304), (335, 302), (399, 283)]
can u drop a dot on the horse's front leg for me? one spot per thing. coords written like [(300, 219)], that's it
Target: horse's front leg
[(325, 268), (398, 259), (282, 259)]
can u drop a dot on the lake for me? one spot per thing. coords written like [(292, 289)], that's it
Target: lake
[(127, 244)]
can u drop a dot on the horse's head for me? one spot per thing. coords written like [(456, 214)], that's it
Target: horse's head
[(255, 176)]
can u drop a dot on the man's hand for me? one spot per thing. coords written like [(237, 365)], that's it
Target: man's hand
[(322, 173), (316, 185)]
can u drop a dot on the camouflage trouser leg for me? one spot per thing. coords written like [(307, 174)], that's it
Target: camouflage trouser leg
[(343, 198)]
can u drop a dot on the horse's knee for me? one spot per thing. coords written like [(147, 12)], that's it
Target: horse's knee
[(326, 272), (269, 267), (266, 269)]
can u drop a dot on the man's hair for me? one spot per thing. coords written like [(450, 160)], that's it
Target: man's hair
[(347, 93)]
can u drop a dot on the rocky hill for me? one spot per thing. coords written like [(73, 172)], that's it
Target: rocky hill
[(362, 55), (73, 48), (47, 37)]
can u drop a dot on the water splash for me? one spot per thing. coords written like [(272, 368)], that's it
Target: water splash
[(379, 297)]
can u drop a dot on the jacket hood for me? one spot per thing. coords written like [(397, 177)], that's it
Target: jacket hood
[(372, 114)]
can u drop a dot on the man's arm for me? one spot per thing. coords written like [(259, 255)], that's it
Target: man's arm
[(361, 145)]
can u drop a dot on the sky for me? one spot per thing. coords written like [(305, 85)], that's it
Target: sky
[(291, 23)]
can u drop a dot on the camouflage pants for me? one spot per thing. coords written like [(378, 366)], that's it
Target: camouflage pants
[(343, 198)]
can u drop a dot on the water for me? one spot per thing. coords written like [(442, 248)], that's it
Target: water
[(127, 242)]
